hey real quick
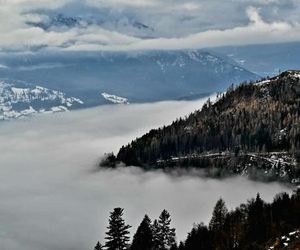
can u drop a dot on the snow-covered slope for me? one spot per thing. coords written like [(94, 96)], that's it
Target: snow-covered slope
[(19, 100), (114, 99)]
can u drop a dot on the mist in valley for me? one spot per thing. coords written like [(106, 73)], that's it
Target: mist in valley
[(54, 196)]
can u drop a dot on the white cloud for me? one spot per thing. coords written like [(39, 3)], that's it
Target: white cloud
[(3, 66), (124, 3), (256, 32), (175, 24), (53, 196)]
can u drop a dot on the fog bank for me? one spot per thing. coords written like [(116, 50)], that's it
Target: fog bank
[(53, 196)]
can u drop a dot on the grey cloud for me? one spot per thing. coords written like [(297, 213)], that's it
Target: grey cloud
[(140, 24), (54, 197)]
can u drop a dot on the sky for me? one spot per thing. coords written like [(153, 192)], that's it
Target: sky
[(29, 25), (53, 195)]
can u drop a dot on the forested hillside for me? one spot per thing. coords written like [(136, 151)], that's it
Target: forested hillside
[(253, 123), (254, 225)]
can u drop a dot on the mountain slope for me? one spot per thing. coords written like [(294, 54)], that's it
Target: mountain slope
[(255, 126), (137, 76), (19, 99), (264, 59)]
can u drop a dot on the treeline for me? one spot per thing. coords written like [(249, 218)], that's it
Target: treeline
[(248, 118), (251, 226)]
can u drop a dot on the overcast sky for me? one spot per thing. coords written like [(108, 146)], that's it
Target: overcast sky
[(147, 24)]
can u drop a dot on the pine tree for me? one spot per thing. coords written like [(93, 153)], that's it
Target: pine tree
[(143, 238), (117, 234), (98, 246), (166, 234), (155, 234), (256, 221), (199, 238), (218, 217), (217, 225)]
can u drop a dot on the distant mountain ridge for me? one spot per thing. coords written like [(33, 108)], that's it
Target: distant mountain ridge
[(251, 127), (137, 76), (18, 100)]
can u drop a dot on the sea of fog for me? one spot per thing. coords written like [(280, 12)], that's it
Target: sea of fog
[(53, 195)]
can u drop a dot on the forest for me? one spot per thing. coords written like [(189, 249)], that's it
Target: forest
[(251, 118), (253, 225)]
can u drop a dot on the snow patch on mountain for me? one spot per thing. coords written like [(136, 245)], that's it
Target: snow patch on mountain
[(294, 74), (115, 99), (263, 82), (21, 100)]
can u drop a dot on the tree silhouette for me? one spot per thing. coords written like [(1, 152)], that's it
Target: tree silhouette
[(253, 225), (166, 234), (117, 235), (155, 233), (199, 238), (219, 216), (143, 238)]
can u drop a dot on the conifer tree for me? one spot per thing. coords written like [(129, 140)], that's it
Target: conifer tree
[(166, 234), (155, 234), (218, 217), (143, 238), (117, 234), (256, 223), (199, 238)]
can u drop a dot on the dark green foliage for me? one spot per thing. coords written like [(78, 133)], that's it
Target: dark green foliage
[(143, 238), (248, 118), (117, 235)]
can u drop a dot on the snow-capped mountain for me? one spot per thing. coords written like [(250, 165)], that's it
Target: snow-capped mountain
[(18, 100), (138, 76)]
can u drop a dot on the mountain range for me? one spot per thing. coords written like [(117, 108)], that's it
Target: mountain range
[(137, 76), (264, 59)]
